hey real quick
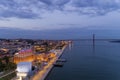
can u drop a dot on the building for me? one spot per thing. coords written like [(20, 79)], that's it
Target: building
[(24, 56), (45, 57), (23, 70)]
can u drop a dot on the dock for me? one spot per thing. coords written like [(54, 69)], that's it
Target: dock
[(61, 60), (58, 64)]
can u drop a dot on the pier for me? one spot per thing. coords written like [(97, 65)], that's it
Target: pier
[(61, 60), (58, 64)]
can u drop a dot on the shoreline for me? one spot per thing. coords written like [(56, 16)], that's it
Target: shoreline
[(41, 75), (60, 54)]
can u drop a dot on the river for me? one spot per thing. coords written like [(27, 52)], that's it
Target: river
[(88, 61)]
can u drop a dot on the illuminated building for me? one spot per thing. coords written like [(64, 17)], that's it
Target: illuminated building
[(45, 56), (23, 56), (23, 70), (27, 55), (52, 55)]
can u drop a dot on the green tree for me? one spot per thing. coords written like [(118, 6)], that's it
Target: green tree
[(6, 58)]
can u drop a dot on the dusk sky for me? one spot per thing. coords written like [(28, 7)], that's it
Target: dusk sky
[(59, 19), (58, 14)]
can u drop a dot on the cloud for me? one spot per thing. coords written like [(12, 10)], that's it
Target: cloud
[(94, 7), (18, 9), (34, 8), (55, 4)]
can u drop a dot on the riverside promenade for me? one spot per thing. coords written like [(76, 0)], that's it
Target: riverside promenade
[(42, 74)]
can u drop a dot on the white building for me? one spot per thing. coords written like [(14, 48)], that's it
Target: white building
[(23, 70)]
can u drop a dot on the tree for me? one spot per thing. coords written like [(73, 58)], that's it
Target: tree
[(6, 58)]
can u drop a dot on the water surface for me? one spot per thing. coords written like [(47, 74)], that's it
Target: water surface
[(88, 62)]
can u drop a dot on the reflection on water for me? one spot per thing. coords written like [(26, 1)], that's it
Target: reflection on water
[(89, 61), (94, 47), (70, 46)]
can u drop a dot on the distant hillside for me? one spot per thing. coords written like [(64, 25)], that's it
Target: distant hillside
[(68, 33), (115, 41)]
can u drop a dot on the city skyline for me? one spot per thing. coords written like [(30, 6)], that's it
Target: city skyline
[(59, 14), (82, 37)]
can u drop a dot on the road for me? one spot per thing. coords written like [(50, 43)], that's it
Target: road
[(7, 74)]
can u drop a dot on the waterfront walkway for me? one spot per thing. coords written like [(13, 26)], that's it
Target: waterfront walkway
[(41, 75)]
